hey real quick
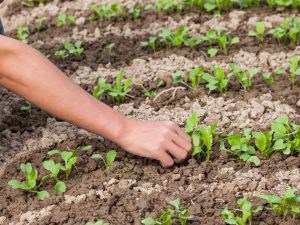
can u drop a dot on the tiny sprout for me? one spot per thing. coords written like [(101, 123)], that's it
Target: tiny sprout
[(110, 47), (27, 108), (108, 160)]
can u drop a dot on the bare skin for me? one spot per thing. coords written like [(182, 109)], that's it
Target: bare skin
[(29, 74)]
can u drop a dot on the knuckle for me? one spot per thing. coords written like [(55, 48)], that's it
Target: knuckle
[(183, 155)]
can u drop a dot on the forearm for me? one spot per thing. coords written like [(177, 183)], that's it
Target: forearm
[(29, 74)]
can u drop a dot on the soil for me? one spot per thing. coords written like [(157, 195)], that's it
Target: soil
[(135, 187)]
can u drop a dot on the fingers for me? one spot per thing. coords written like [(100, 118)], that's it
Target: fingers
[(177, 152), (166, 160), (181, 142), (179, 131)]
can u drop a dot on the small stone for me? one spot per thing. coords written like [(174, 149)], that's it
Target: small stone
[(176, 177)]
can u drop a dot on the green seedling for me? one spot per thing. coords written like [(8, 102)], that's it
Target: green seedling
[(260, 32), (245, 78), (74, 49), (62, 54), (166, 37), (195, 76), (288, 30), (110, 47), (108, 11), (152, 93), (263, 142), (64, 20), (99, 222), (286, 136), (194, 3), (41, 23), (168, 5), (179, 37), (178, 78), (248, 3), (240, 147), (30, 184), (101, 89), (23, 34), (245, 207), (268, 78), (218, 81), (294, 69), (54, 169), (289, 203), (69, 158), (180, 214), (27, 108), (107, 160), (281, 5), (136, 11), (219, 5), (152, 43), (32, 3), (122, 87), (202, 137)]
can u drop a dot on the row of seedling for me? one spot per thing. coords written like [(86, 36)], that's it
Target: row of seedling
[(56, 171), (288, 204), (283, 137)]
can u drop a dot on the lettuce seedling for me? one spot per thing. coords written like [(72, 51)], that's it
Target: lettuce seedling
[(75, 49), (152, 43), (99, 222), (240, 147), (286, 136), (166, 37), (195, 76), (179, 37), (23, 34), (152, 93), (69, 158), (182, 215), (245, 207), (248, 3), (136, 11), (263, 142), (108, 11), (64, 20), (219, 5), (289, 203), (101, 89), (108, 160), (27, 108), (218, 81), (122, 87), (294, 69), (244, 77), (260, 31), (62, 54), (202, 137), (30, 184), (268, 78), (168, 5), (54, 169)]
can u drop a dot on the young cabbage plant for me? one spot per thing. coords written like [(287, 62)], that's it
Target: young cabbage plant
[(23, 34), (289, 203), (101, 89), (286, 136), (294, 69), (216, 82), (244, 77), (30, 183), (168, 6), (218, 5), (99, 222), (268, 78), (288, 30), (64, 20), (121, 88), (195, 77), (69, 158), (241, 147), (74, 49), (108, 11), (178, 214), (152, 42), (54, 169), (263, 142), (260, 32), (107, 160), (152, 93), (27, 108), (202, 137), (245, 207)]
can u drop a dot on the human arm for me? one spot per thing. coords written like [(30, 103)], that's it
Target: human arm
[(29, 74)]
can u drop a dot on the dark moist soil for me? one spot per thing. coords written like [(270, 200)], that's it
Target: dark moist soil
[(128, 206)]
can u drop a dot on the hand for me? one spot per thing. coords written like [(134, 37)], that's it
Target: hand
[(163, 141)]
